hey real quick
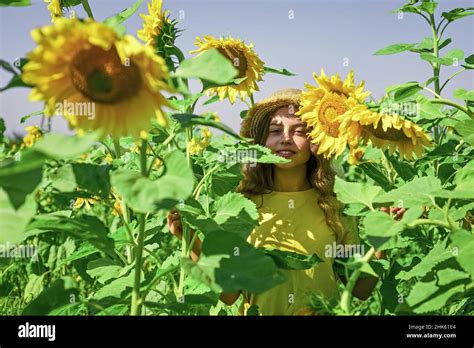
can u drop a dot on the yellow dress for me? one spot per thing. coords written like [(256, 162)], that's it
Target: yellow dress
[(293, 221)]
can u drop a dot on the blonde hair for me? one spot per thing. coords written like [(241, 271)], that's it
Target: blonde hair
[(258, 179)]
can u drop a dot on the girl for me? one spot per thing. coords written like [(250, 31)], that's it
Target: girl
[(298, 210)]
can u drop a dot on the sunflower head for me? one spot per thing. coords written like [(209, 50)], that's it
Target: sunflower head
[(96, 80), (160, 32), (323, 108), (387, 132), (244, 59), (33, 134), (54, 8)]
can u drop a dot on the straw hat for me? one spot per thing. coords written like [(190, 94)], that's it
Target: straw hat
[(258, 114)]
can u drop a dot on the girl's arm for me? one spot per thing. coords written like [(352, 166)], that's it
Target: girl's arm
[(174, 225)]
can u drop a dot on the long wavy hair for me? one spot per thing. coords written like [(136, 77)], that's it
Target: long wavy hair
[(258, 179)]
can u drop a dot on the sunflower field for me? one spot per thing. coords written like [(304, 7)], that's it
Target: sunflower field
[(83, 217)]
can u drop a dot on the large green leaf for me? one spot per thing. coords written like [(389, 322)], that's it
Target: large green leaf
[(458, 13), (393, 49), (351, 192), (61, 292), (404, 91), (436, 255), (85, 227), (425, 187), (243, 267), (145, 195), (93, 178), (116, 21), (235, 213), (63, 147), (14, 221), (210, 65), (462, 247)]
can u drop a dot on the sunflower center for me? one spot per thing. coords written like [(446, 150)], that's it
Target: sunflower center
[(237, 58), (101, 76), (330, 108), (391, 134)]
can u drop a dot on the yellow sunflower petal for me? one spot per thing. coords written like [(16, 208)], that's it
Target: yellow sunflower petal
[(85, 72)]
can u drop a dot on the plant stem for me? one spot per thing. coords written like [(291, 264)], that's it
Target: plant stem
[(199, 186), (346, 298), (136, 296), (449, 78), (453, 104)]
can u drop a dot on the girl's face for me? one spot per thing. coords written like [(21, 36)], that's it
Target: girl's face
[(287, 138)]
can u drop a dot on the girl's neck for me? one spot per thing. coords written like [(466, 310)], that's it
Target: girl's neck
[(290, 180)]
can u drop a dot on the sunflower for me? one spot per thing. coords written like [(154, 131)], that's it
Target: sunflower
[(386, 131), (54, 7), (113, 85), (243, 57), (33, 134), (197, 145), (321, 109), (153, 22), (86, 202)]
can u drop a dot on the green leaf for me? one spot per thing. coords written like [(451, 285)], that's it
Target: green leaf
[(243, 267), (380, 227), (374, 172), (63, 147), (291, 260), (16, 81), (211, 100), (59, 293), (404, 91), (115, 20), (84, 228), (428, 7), (34, 287), (466, 129), (461, 93), (93, 178), (448, 275), (425, 187), (469, 62), (236, 214), (458, 13), (462, 247), (118, 288), (349, 192), (103, 269), (427, 45), (15, 3), (436, 255), (428, 110), (14, 221), (278, 71), (451, 58), (176, 184), (393, 49), (19, 179), (210, 65)]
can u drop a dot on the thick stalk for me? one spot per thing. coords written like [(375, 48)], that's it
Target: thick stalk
[(346, 298), (136, 296)]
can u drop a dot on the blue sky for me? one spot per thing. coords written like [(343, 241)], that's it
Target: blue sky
[(300, 35)]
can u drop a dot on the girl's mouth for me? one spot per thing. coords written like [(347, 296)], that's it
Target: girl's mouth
[(285, 153)]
